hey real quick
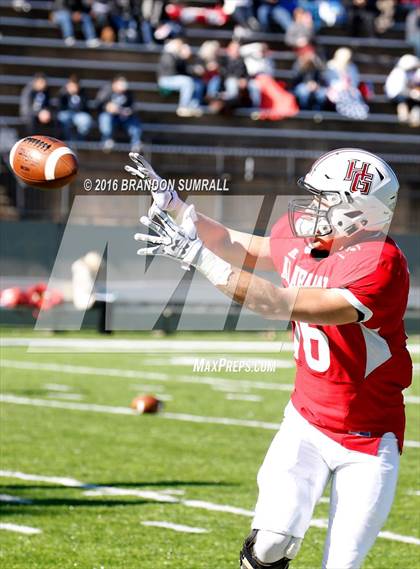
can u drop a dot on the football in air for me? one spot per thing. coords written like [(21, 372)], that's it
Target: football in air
[(146, 404), (43, 162)]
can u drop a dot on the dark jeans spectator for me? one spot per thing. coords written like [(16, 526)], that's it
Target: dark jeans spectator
[(64, 19), (268, 13), (309, 98), (190, 89), (70, 120), (242, 15), (109, 123)]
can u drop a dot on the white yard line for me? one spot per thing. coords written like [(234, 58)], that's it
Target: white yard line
[(159, 345), (92, 407), (57, 387), (20, 529), (243, 397), (150, 346), (66, 396), (174, 527), (398, 537), (136, 374), (59, 480), (414, 399), (9, 499)]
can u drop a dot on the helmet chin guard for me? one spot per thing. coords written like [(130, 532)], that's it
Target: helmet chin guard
[(352, 190)]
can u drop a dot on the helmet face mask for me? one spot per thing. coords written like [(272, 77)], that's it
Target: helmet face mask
[(352, 190)]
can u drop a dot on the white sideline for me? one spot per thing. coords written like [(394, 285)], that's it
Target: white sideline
[(17, 400), (136, 374), (151, 346), (162, 497), (174, 527), (20, 529), (161, 345)]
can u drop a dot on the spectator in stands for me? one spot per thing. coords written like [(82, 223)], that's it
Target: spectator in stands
[(225, 89), (412, 30), (300, 33), (234, 73), (209, 68), (150, 18), (123, 19), (73, 110), (175, 73), (66, 13), (267, 95), (101, 14), (308, 81), (361, 16), (116, 106), (273, 12), (343, 80), (35, 106), (241, 12), (402, 87)]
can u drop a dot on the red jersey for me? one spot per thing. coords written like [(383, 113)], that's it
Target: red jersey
[(350, 378)]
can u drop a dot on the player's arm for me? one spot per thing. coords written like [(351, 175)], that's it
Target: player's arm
[(312, 305), (235, 247)]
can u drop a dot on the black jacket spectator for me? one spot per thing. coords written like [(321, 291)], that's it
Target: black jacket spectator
[(77, 103), (35, 106), (72, 5), (124, 100), (171, 64)]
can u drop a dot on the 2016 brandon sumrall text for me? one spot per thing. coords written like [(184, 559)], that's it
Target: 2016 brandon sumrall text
[(136, 185)]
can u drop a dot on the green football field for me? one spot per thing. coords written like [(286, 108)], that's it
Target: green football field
[(95, 486)]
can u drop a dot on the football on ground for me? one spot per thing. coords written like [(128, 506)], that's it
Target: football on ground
[(146, 404), (43, 162)]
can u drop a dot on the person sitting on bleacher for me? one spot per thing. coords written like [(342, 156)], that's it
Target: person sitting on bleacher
[(116, 106), (274, 12), (301, 32), (66, 13), (343, 80), (123, 19), (227, 77), (35, 106), (241, 12), (175, 73), (73, 110), (402, 87), (308, 81)]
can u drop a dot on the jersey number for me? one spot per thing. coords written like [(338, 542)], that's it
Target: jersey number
[(315, 346)]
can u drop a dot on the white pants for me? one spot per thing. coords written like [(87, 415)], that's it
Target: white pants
[(300, 462)]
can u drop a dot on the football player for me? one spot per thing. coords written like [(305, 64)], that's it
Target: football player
[(344, 284)]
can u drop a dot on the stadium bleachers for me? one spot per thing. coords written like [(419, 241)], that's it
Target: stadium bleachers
[(212, 145)]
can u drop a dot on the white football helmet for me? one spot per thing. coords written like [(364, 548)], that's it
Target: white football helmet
[(353, 190)]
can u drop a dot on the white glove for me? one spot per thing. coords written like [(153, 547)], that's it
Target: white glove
[(181, 242), (165, 198), (171, 239)]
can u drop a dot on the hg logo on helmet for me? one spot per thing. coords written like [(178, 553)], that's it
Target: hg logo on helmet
[(360, 178)]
